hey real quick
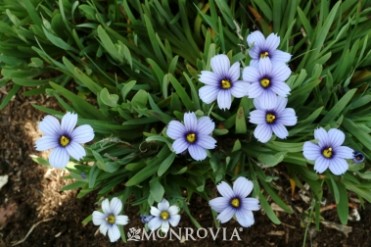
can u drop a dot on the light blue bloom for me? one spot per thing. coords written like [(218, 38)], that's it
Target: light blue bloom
[(64, 139), (222, 83), (261, 47), (329, 152), (164, 215), (272, 117), (110, 218), (358, 157), (267, 80), (194, 135), (234, 202)]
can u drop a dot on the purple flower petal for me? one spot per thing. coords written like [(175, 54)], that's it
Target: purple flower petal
[(98, 218), (343, 152), (75, 150), (288, 117), (175, 130), (224, 99), (190, 121), (250, 74), (103, 228), (208, 93), (321, 164), (113, 233), (280, 131), (165, 226), (311, 151), (225, 190), (263, 133), (321, 135), (245, 218), (265, 67), (242, 187), (257, 117), (154, 224), (46, 142), (226, 215), (163, 205), (83, 134), (69, 121), (155, 211), (272, 42), (234, 72), (115, 206), (280, 88), (267, 101), (180, 145), (250, 204), (205, 125), (278, 56), (122, 220), (281, 71), (173, 210), (174, 220), (254, 90), (50, 126), (106, 206), (239, 89), (220, 64), (219, 204), (338, 166), (336, 137), (206, 141), (197, 152), (59, 157), (209, 78), (255, 37)]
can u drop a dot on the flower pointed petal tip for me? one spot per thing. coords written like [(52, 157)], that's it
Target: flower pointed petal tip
[(321, 135), (255, 38), (174, 220), (50, 126), (311, 151), (205, 125), (98, 218), (59, 158), (116, 206), (175, 129), (224, 99), (163, 205), (75, 150), (336, 137), (209, 78), (69, 122), (190, 121), (263, 133), (226, 215), (208, 93), (197, 152), (113, 233), (83, 134), (242, 187), (154, 223), (122, 220), (225, 189), (272, 41), (220, 64), (338, 166), (245, 218), (321, 164), (219, 204)]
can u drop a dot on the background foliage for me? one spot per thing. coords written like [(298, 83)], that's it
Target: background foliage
[(129, 67)]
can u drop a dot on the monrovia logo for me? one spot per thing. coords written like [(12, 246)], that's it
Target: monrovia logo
[(184, 234)]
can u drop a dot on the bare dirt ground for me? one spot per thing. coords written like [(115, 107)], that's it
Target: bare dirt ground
[(35, 212)]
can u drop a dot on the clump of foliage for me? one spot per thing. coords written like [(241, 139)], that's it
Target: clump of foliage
[(128, 68)]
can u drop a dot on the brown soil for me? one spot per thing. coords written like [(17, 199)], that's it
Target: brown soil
[(35, 212)]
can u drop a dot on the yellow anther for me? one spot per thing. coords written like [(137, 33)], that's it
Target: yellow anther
[(64, 141), (226, 84), (191, 137), (164, 215), (264, 54), (111, 219), (265, 82), (235, 202), (327, 152), (270, 117)]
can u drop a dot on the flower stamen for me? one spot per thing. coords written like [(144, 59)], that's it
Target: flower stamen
[(111, 219), (265, 82), (191, 137), (164, 215), (226, 84), (64, 140), (327, 152), (270, 118), (235, 202), (264, 54)]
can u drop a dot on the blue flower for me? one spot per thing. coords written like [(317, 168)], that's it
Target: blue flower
[(272, 117), (146, 218), (194, 135), (328, 153), (110, 218), (267, 80), (222, 83), (163, 215), (261, 47), (358, 157), (234, 202), (64, 139)]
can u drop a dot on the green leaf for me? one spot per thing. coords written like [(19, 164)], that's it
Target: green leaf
[(343, 204), (241, 121), (157, 191), (270, 160), (107, 98), (268, 210), (164, 166)]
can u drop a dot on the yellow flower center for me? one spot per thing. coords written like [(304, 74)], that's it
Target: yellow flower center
[(111, 219), (265, 82), (235, 202), (264, 54), (226, 84), (191, 137), (270, 117), (327, 152), (164, 215), (64, 141)]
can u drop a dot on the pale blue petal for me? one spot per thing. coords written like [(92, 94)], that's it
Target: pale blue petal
[(205, 125), (234, 72), (224, 99), (267, 100), (220, 64), (59, 157), (163, 205), (281, 72), (190, 121), (175, 130), (165, 226), (75, 150), (208, 93), (209, 78), (254, 62), (83, 134), (154, 224), (311, 151), (219, 204), (197, 152), (174, 220), (115, 206), (98, 218), (226, 215), (103, 228), (263, 133), (122, 220), (225, 190), (206, 141), (255, 38), (106, 206), (113, 233), (336, 137), (321, 135), (272, 42), (180, 145), (257, 117), (321, 164), (281, 104), (338, 166), (288, 117), (46, 142), (265, 67), (155, 211), (280, 131), (280, 88), (254, 90), (280, 56), (239, 89), (173, 210), (69, 122), (343, 152), (50, 126), (250, 204), (242, 187), (245, 218), (250, 74)]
